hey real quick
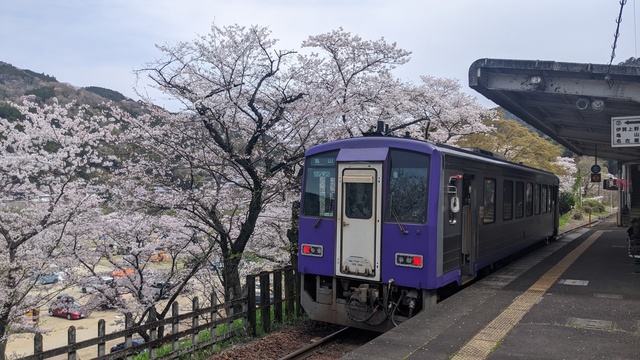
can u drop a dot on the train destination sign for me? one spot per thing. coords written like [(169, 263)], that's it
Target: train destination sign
[(625, 131)]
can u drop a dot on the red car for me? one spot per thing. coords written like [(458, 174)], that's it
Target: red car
[(67, 306)]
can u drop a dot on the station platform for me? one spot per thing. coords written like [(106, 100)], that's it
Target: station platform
[(575, 298)]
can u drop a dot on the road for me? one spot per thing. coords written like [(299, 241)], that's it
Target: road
[(58, 327), (22, 345)]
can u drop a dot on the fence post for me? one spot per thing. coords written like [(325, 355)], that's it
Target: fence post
[(175, 325), (214, 314), (195, 306), (71, 339), (298, 282), (37, 344), (265, 301), (102, 331), (251, 305), (289, 291), (153, 332), (228, 310), (277, 296), (128, 324)]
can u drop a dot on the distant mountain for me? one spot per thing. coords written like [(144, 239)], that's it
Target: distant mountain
[(17, 85)]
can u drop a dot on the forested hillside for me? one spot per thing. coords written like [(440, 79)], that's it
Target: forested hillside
[(17, 85)]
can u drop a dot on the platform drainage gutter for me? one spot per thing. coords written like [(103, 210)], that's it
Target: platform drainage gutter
[(591, 324), (609, 296)]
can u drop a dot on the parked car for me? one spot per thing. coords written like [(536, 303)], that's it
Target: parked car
[(121, 346), (105, 280), (161, 289), (45, 279), (100, 302), (67, 306), (258, 294)]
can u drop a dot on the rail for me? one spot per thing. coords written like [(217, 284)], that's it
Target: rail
[(304, 352)]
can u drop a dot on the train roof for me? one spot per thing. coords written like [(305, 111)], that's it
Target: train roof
[(371, 142)]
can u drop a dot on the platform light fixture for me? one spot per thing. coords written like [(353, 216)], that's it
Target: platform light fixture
[(597, 105), (582, 103), (535, 80)]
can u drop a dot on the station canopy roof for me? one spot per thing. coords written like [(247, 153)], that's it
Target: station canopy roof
[(571, 103)]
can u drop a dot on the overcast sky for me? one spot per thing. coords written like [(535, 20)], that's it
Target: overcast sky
[(101, 42)]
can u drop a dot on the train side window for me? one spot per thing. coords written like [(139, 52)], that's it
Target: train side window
[(536, 199), (507, 200), (489, 201), (408, 187), (519, 199), (529, 194), (544, 198), (318, 197)]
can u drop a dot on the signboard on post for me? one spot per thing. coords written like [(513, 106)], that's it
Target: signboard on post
[(625, 131)]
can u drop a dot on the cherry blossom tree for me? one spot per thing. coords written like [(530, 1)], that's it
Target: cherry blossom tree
[(49, 155), (439, 111), (235, 148), (353, 81), (135, 260), (566, 173)]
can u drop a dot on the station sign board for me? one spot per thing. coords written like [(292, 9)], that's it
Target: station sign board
[(625, 131)]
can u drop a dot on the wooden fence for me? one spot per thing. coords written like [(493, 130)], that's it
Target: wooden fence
[(282, 287)]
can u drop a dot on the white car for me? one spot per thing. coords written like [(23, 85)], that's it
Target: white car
[(104, 281)]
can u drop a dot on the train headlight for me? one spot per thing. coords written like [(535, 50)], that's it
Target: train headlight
[(312, 250), (409, 260)]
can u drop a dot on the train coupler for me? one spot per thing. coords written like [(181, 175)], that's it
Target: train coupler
[(364, 294)]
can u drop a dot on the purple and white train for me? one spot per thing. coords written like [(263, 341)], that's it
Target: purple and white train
[(385, 222)]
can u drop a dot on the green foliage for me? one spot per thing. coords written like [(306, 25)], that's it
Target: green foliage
[(593, 205), (43, 77), (566, 202), (577, 215), (10, 113), (564, 220), (43, 93), (6, 69), (106, 93), (517, 143)]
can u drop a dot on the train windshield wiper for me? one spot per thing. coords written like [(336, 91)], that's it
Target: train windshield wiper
[(322, 215), (395, 216)]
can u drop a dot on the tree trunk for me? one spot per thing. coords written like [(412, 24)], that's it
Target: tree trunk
[(232, 284), (3, 343), (292, 234)]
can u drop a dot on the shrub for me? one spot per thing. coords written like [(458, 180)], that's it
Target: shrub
[(566, 202), (596, 206), (577, 215)]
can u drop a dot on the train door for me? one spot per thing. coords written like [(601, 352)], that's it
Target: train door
[(358, 220), (469, 227), (451, 221)]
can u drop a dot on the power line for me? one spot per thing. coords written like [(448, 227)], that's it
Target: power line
[(615, 42)]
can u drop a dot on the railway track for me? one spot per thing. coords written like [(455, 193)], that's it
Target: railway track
[(347, 339)]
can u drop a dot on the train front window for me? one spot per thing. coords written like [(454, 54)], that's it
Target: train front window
[(408, 187), (319, 191)]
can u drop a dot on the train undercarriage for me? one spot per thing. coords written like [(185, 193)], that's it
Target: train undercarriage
[(361, 304)]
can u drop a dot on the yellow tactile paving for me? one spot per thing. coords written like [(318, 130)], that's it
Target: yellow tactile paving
[(481, 345)]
